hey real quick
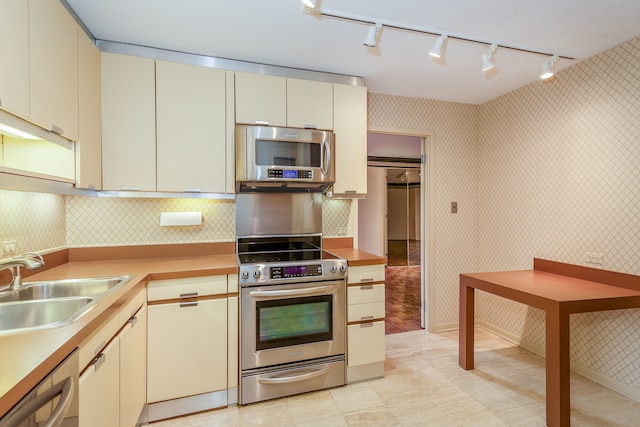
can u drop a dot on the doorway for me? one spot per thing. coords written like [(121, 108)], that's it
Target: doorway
[(393, 221)]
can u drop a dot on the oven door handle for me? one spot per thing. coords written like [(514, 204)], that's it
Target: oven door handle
[(294, 292), (295, 378)]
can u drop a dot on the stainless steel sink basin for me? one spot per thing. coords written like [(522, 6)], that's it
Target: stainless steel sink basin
[(64, 288), (24, 316), (43, 305)]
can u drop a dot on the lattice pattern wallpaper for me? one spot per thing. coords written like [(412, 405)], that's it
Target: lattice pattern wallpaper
[(559, 175), (36, 221), (455, 129)]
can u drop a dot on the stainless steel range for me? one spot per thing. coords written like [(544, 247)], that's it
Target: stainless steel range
[(292, 299)]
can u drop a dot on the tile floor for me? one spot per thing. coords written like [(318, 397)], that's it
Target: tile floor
[(424, 386)]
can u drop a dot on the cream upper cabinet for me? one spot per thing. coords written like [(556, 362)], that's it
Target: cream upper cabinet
[(280, 101), (53, 54), (261, 99), (14, 51), (309, 104), (350, 127), (128, 123), (191, 128), (89, 147)]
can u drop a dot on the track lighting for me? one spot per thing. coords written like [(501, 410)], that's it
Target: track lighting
[(436, 51), (487, 62), (372, 35), (547, 68), (313, 8)]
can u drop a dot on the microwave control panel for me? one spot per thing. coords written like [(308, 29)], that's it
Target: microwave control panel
[(290, 173)]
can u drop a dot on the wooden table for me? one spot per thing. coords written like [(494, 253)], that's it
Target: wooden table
[(560, 290)]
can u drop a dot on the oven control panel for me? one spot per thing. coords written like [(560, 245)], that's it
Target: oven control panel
[(285, 272)]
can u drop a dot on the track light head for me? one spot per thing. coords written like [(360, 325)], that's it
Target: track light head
[(436, 51), (487, 62), (309, 3), (547, 68), (372, 35)]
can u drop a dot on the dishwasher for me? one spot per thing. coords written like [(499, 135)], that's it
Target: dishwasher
[(52, 403)]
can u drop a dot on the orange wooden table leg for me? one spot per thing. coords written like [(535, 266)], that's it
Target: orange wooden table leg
[(465, 338), (558, 395)]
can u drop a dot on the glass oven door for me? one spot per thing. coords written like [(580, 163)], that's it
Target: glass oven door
[(292, 322)]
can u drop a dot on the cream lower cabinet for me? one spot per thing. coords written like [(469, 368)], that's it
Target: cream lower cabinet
[(187, 348), (365, 323), (113, 384), (100, 390)]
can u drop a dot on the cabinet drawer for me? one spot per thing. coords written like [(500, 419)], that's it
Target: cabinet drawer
[(365, 294), (368, 311), (158, 290), (366, 273), (130, 308), (365, 343), (94, 343)]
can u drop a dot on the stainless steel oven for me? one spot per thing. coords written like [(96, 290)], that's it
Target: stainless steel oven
[(292, 311)]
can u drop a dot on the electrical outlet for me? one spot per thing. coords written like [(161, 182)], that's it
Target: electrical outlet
[(8, 248), (593, 257)]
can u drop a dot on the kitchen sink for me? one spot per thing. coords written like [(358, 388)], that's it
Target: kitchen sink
[(64, 288), (51, 304), (25, 316)]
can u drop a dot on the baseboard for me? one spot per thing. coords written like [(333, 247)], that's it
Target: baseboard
[(578, 368), (446, 327)]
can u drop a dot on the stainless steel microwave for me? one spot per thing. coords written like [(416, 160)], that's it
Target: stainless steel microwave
[(283, 159)]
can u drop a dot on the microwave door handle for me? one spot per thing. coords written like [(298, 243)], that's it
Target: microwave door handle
[(64, 388), (293, 292), (326, 157)]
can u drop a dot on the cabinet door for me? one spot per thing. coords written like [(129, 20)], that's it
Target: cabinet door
[(350, 127), (261, 98), (191, 132), (365, 343), (89, 147), (99, 399), (14, 48), (128, 123), (232, 344), (187, 349), (309, 104), (53, 53), (133, 368)]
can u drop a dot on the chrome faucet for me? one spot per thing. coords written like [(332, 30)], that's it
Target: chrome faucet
[(29, 260)]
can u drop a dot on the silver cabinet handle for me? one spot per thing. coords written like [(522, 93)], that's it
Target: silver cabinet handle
[(311, 126), (261, 122), (133, 321), (189, 295), (189, 304), (129, 188), (366, 318), (57, 129), (192, 190), (366, 325), (99, 361), (366, 287), (368, 279), (64, 388), (295, 378), (294, 292)]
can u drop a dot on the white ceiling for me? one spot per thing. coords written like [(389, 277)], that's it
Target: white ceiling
[(278, 32)]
